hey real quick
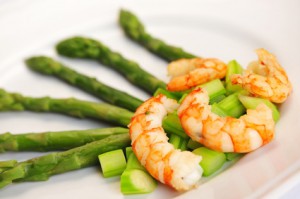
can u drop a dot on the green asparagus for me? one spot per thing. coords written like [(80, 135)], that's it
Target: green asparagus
[(8, 163), (68, 106), (79, 108), (135, 30), (53, 141), (41, 168), (80, 47), (49, 66)]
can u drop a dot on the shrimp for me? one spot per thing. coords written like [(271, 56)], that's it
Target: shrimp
[(265, 78), (188, 73), (178, 169), (225, 134)]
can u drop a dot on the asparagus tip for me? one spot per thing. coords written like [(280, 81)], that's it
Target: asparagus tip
[(78, 47), (42, 64)]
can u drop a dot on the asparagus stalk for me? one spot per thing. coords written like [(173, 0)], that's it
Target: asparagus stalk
[(80, 47), (8, 163), (50, 141), (81, 109), (48, 66), (67, 106), (135, 30), (41, 168)]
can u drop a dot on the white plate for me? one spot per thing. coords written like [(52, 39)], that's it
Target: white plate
[(225, 29)]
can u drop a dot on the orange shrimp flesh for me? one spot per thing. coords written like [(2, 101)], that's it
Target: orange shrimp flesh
[(178, 169), (265, 78), (225, 134), (188, 73)]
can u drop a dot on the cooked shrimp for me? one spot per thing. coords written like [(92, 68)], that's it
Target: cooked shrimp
[(178, 169), (265, 78), (226, 134), (188, 73)]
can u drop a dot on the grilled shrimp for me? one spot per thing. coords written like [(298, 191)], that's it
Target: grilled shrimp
[(265, 78), (226, 134), (178, 169), (188, 73)]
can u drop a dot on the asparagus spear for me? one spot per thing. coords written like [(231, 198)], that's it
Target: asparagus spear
[(50, 141), (68, 106), (135, 30), (80, 47), (78, 108), (48, 66), (41, 168)]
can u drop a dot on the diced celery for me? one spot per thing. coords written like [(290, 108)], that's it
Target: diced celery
[(128, 151), (193, 144), (173, 125), (113, 163), (166, 93), (232, 105), (214, 88), (233, 67), (175, 140), (211, 161), (135, 181), (183, 145), (133, 163), (217, 110), (253, 102), (182, 98), (233, 156), (217, 99)]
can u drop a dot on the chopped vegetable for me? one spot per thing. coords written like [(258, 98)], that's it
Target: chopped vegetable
[(183, 145), (217, 99), (193, 144), (253, 102), (233, 68), (233, 156), (169, 94), (215, 108), (232, 105), (171, 123), (135, 179), (128, 151), (133, 163), (175, 140), (113, 163), (214, 88), (212, 161)]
